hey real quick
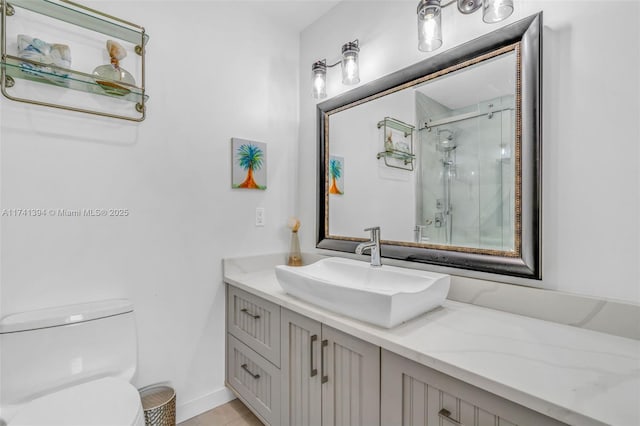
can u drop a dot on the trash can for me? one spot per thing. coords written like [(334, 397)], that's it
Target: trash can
[(159, 404)]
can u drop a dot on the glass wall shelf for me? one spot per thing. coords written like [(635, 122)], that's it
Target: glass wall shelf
[(14, 68), (406, 157), (70, 79), (398, 144), (84, 17)]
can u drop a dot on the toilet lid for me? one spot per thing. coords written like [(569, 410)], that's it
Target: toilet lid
[(105, 402)]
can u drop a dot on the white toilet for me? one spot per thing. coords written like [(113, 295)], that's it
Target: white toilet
[(70, 366)]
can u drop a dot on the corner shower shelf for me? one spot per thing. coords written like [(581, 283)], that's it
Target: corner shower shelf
[(72, 13), (393, 157)]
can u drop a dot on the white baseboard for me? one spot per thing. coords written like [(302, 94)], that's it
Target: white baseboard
[(189, 409)]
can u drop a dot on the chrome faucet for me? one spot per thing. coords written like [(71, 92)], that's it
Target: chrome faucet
[(373, 246)]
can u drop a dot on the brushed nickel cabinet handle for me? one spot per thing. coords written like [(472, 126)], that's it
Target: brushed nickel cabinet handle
[(325, 378), (245, 368), (314, 371), (446, 414), (246, 311)]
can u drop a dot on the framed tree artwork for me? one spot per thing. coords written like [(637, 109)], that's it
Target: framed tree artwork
[(249, 164)]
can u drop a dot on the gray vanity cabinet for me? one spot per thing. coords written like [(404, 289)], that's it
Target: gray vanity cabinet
[(256, 322), (253, 353), (351, 395), (413, 394), (328, 377), (300, 372), (255, 379), (295, 371)]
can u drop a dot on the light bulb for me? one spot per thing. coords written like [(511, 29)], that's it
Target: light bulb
[(319, 86), (319, 79), (496, 10), (350, 68), (429, 25)]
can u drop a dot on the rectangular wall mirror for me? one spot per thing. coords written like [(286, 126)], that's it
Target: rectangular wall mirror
[(444, 156)]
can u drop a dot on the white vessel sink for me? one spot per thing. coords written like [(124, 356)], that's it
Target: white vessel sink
[(382, 295)]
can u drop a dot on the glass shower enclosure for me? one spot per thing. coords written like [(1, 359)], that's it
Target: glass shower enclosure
[(466, 173)]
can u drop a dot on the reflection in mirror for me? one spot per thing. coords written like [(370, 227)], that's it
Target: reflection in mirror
[(456, 186), (370, 186), (443, 156), (466, 138)]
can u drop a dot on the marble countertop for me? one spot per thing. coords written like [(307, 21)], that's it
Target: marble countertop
[(574, 375)]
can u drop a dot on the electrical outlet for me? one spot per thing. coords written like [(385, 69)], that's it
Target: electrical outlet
[(260, 216)]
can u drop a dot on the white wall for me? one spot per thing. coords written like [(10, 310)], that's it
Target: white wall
[(355, 137), (215, 70), (591, 158)]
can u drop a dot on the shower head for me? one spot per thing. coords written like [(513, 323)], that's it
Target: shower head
[(446, 142), (446, 145)]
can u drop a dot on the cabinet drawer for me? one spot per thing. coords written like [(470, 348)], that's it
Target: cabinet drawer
[(413, 394), (255, 379), (255, 322)]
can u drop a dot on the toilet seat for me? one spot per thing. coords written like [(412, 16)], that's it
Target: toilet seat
[(108, 401)]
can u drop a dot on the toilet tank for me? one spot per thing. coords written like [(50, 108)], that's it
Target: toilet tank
[(46, 350)]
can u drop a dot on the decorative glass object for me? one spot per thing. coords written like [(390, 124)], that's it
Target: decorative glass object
[(111, 77), (388, 142), (295, 257), (44, 58)]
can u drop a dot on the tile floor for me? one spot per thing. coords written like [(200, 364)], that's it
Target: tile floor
[(233, 413)]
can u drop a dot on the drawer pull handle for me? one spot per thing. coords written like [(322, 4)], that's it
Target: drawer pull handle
[(314, 371), (446, 414), (246, 311), (325, 378), (244, 367)]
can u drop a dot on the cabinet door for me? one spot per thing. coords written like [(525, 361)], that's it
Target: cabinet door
[(301, 394), (413, 394), (255, 379), (255, 322), (351, 380)]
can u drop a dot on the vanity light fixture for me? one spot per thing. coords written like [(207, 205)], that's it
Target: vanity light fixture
[(496, 10), (319, 79), (350, 69), (350, 63), (430, 17), (429, 25)]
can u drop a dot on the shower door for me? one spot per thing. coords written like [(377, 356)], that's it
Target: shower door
[(466, 184)]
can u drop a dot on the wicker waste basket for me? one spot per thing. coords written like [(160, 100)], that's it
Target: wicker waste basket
[(159, 403)]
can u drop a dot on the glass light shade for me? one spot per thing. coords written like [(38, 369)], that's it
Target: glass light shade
[(350, 65), (429, 25), (469, 6), (319, 79), (496, 10)]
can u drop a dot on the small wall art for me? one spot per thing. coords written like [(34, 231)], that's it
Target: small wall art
[(336, 173), (249, 164)]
